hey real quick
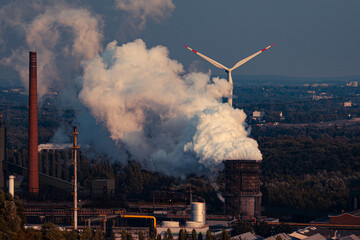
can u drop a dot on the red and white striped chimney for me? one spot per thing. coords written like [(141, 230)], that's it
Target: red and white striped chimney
[(33, 168)]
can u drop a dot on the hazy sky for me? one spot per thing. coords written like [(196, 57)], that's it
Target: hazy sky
[(316, 38), (312, 37)]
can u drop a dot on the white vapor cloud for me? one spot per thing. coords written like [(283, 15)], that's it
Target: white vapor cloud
[(130, 101), (61, 35), (168, 121), (142, 10)]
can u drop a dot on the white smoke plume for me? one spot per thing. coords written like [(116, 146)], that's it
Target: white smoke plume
[(170, 122), (142, 10), (142, 102), (221, 134), (61, 35)]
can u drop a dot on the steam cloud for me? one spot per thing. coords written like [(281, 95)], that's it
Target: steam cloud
[(49, 33), (142, 10), (169, 122)]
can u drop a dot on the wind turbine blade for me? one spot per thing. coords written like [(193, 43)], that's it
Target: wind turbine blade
[(241, 62), (215, 63)]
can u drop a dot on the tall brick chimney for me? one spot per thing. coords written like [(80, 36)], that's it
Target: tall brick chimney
[(33, 168)]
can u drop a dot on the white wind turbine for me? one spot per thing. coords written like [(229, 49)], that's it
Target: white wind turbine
[(229, 70)]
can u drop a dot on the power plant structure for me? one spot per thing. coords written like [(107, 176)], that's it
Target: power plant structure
[(243, 196), (242, 192), (33, 170), (197, 221)]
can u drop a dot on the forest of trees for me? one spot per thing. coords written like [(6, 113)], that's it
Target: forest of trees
[(309, 168)]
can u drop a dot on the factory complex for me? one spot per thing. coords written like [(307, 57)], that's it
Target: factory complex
[(97, 207)]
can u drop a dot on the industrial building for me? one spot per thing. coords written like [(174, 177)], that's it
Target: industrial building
[(258, 115), (242, 193), (197, 222), (103, 188), (243, 196)]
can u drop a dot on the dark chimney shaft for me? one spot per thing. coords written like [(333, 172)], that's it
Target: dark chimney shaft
[(33, 173)]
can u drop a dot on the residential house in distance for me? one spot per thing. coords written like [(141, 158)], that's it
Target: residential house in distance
[(316, 233), (347, 104), (352, 84), (258, 115)]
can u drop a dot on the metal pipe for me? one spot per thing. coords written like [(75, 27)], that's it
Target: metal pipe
[(12, 185), (75, 148), (140, 216), (33, 172)]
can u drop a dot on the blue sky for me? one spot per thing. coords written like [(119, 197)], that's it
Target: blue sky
[(312, 37)]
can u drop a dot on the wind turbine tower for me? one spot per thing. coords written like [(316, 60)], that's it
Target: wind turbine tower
[(229, 70)]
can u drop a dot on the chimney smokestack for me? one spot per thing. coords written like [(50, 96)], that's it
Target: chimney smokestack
[(33, 173)]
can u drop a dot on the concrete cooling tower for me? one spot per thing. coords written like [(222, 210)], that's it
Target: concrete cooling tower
[(242, 194)]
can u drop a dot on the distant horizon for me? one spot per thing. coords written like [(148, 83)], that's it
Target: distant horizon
[(259, 78)]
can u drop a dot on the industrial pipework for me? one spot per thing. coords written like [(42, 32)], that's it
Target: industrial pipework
[(75, 149), (12, 185)]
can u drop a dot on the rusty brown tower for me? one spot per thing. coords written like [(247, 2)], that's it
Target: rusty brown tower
[(33, 169), (242, 194)]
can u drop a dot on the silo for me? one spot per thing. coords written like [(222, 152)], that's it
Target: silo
[(242, 194)]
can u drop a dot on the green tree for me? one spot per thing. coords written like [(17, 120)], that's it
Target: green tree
[(71, 235), (99, 235), (283, 228), (209, 236), (153, 233), (200, 236), (123, 234), (182, 234), (50, 231), (168, 235), (31, 234), (225, 235), (193, 235), (242, 227), (133, 182), (11, 216), (87, 233), (129, 236), (141, 235), (263, 229)]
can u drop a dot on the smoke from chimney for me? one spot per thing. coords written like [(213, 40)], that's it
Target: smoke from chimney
[(131, 100), (168, 121)]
